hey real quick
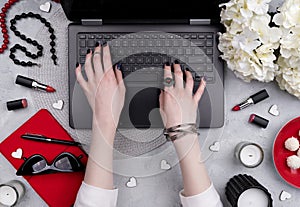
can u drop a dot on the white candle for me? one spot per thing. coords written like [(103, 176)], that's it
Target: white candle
[(8, 195), (253, 197), (11, 192), (250, 154)]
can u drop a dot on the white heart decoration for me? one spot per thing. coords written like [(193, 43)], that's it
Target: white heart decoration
[(215, 147), (131, 182), (284, 196), (274, 110), (17, 154), (164, 165), (58, 105), (46, 7)]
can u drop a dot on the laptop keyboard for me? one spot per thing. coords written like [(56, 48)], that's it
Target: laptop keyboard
[(147, 52)]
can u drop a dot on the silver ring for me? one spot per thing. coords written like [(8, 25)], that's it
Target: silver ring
[(169, 82)]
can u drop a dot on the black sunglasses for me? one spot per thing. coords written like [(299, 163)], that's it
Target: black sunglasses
[(37, 164)]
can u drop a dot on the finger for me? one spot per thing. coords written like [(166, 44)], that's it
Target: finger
[(82, 82), (178, 75), (161, 100), (88, 65), (119, 76), (167, 74), (107, 64), (200, 90), (98, 69), (189, 85)]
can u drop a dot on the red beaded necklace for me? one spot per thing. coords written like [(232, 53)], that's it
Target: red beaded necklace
[(4, 31)]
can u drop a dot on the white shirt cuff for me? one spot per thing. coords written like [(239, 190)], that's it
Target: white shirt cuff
[(91, 196), (208, 198)]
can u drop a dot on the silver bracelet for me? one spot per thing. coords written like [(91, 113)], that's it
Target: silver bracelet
[(179, 131)]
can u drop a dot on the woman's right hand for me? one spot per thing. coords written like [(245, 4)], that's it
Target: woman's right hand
[(178, 105)]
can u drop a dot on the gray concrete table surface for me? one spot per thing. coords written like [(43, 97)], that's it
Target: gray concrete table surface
[(161, 190)]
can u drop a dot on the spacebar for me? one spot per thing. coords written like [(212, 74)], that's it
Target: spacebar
[(141, 77)]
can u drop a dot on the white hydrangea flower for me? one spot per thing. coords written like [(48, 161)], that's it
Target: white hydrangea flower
[(289, 61), (247, 45)]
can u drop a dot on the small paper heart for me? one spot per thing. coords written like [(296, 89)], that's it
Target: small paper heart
[(131, 182), (17, 154), (215, 147), (284, 196), (274, 110), (46, 7), (164, 165), (58, 105)]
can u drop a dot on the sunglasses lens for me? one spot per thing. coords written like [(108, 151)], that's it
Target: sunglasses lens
[(63, 164), (67, 162), (32, 165), (39, 166)]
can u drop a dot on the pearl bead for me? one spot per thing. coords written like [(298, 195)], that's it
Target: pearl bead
[(1, 50), (3, 26), (2, 15), (2, 20), (4, 31), (6, 41), (5, 36)]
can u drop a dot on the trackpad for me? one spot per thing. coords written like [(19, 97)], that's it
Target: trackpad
[(141, 108)]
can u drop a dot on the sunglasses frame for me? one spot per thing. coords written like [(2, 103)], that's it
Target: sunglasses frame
[(51, 168)]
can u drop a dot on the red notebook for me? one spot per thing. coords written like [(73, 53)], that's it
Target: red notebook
[(58, 189)]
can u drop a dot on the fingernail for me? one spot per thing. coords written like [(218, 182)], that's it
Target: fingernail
[(167, 63), (104, 43), (119, 66), (187, 69), (77, 64), (97, 44), (176, 61), (88, 51)]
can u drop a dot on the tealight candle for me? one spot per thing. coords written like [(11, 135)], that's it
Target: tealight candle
[(253, 198), (250, 154), (11, 193)]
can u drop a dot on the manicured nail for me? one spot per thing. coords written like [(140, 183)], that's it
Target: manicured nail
[(77, 64), (167, 63), (97, 44), (104, 43), (119, 66), (187, 69), (176, 61), (88, 51)]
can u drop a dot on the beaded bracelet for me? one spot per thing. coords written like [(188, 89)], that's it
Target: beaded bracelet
[(179, 131)]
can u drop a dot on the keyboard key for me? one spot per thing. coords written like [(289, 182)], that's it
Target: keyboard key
[(91, 36), (131, 60), (209, 36), (176, 43), (209, 68), (185, 43), (180, 51), (186, 36), (157, 60), (188, 51), (209, 43), (82, 43), (140, 60), (82, 36), (107, 36), (199, 43), (209, 51), (115, 36), (194, 36), (82, 60), (91, 43), (199, 51), (142, 77), (82, 52), (200, 36), (126, 68), (148, 60), (99, 36), (196, 59)]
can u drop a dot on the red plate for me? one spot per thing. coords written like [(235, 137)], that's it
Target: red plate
[(280, 154)]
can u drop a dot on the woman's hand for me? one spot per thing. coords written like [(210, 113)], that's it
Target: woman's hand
[(105, 90), (178, 105)]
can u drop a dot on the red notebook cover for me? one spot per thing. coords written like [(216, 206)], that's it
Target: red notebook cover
[(58, 189)]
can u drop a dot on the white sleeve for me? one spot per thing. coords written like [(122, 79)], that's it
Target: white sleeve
[(208, 198), (91, 196)]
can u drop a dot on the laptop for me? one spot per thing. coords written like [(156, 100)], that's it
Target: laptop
[(143, 35)]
